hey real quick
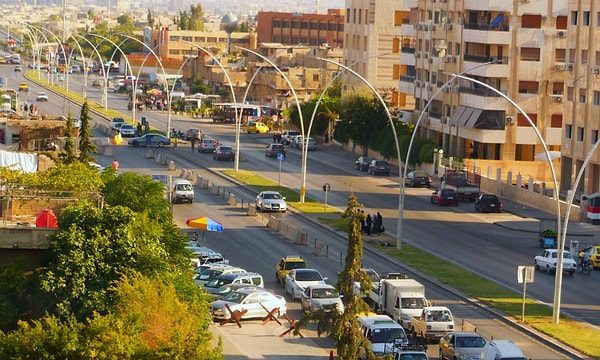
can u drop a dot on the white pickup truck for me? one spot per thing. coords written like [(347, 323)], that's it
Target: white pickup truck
[(434, 323)]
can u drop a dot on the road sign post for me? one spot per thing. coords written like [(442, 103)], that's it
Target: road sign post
[(326, 188), (280, 157), (524, 276)]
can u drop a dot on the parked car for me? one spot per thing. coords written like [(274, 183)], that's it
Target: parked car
[(257, 127), (418, 178), (193, 133), (298, 279), (252, 301), (127, 130), (249, 278), (286, 264), (224, 153), (41, 96), (214, 271), (116, 122), (151, 139), (321, 297), (183, 191), (548, 258), (594, 252), (271, 201), (379, 167), (207, 145), (288, 136), (461, 345), (488, 203), (310, 143), (274, 149), (296, 140), (445, 197), (362, 163)]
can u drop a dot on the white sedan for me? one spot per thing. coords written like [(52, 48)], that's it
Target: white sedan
[(297, 280), (41, 96), (270, 201), (317, 297), (251, 302), (548, 259), (127, 130)]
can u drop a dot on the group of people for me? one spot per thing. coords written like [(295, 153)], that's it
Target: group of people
[(31, 109), (373, 224)]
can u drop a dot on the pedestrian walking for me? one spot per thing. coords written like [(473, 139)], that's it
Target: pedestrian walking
[(376, 225), (193, 142), (147, 127), (115, 165), (380, 228), (326, 137), (138, 129), (369, 224), (363, 221)]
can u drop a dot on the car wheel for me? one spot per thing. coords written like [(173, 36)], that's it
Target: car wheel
[(277, 278), (571, 273), (548, 269), (535, 265), (135, 143), (160, 144), (441, 355), (456, 203), (431, 199)]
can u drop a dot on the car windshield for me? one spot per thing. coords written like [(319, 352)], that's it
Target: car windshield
[(413, 356), (380, 163), (184, 187), (324, 294), (225, 148), (272, 196), (470, 342), (236, 297), (308, 276), (215, 283), (387, 335), (295, 265)]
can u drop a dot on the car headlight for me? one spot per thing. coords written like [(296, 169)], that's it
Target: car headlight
[(218, 312)]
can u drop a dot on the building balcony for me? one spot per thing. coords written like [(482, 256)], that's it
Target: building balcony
[(407, 58), (488, 5), (411, 4), (482, 34), (552, 136), (491, 71), (406, 84), (408, 30)]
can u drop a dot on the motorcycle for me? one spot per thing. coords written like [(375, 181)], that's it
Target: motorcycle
[(586, 267)]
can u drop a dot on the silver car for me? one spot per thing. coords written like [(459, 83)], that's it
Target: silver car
[(251, 301), (151, 139), (317, 297), (310, 143), (271, 201), (461, 345)]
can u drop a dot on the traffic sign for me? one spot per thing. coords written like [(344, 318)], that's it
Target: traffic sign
[(326, 187), (280, 156)]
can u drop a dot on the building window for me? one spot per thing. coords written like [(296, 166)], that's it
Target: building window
[(332, 27), (530, 54), (572, 56), (314, 26), (396, 72), (560, 55), (558, 88), (294, 40), (276, 23), (570, 92), (594, 136), (304, 25), (458, 45), (586, 18), (396, 45), (285, 24), (528, 87), (556, 121), (574, 17), (174, 38), (295, 24), (322, 26), (584, 56), (340, 27), (596, 97), (187, 38), (582, 95), (597, 58), (580, 133), (568, 131), (360, 16), (313, 42), (561, 22), (315, 77), (276, 38), (354, 16), (397, 18), (531, 21)]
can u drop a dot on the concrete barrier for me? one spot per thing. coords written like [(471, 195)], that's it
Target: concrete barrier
[(182, 173), (252, 210), (301, 238), (199, 181), (271, 222), (150, 154), (108, 151), (214, 190), (467, 326), (172, 166), (204, 184), (232, 200), (165, 161)]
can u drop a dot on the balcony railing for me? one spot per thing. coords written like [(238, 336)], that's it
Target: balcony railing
[(486, 27)]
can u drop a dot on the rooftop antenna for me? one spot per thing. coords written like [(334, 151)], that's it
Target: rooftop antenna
[(316, 6)]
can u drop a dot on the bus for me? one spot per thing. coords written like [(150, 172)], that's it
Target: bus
[(195, 101), (226, 112)]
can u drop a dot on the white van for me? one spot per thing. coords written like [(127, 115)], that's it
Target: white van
[(249, 278), (183, 190), (384, 334), (501, 350)]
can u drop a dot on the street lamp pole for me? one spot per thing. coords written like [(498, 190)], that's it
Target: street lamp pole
[(561, 248)]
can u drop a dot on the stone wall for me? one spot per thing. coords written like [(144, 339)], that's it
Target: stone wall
[(26, 210)]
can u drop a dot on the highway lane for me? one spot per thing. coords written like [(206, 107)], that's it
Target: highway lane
[(469, 238)]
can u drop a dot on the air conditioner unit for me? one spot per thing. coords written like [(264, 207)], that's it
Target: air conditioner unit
[(461, 21), (596, 71), (447, 89), (429, 87), (431, 60), (444, 119), (509, 119), (447, 26), (556, 98), (430, 27), (417, 83), (559, 67), (445, 59), (455, 89), (416, 26), (569, 67), (561, 33), (427, 121), (417, 54)]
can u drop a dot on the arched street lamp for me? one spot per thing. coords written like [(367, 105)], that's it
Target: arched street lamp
[(304, 148)]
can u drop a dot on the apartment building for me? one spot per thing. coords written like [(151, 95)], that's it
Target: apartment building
[(372, 43), (516, 49), (580, 64), (301, 28)]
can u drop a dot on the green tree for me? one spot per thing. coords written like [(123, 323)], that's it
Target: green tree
[(86, 146), (196, 18), (243, 27), (326, 114), (150, 18), (68, 155), (344, 327)]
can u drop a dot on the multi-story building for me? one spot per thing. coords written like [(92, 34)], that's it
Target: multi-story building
[(372, 40), (515, 49), (301, 28), (579, 63)]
